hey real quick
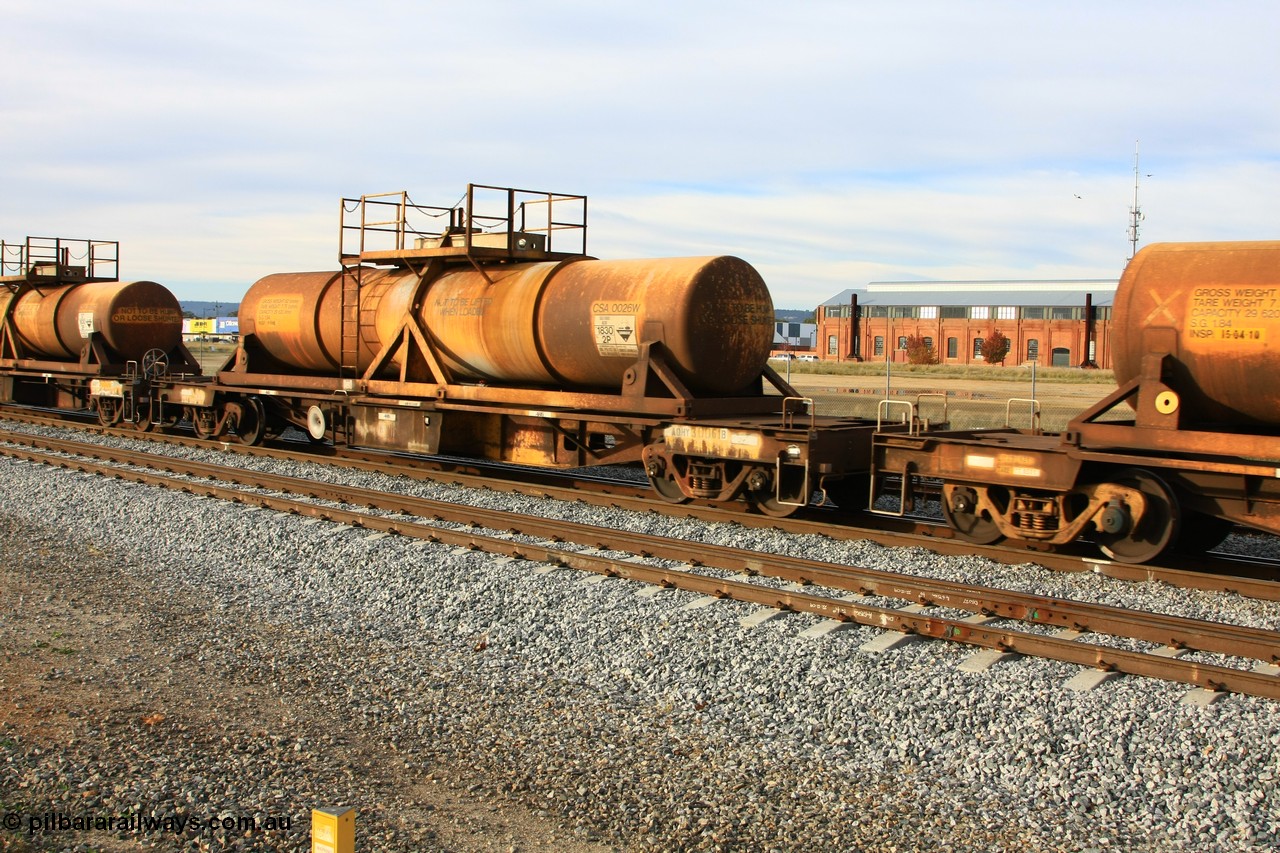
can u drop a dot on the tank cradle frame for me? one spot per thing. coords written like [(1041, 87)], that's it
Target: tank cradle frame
[(762, 444), (99, 380), (1136, 487), (1180, 470)]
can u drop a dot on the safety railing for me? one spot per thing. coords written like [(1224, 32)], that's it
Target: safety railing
[(486, 217), (61, 258)]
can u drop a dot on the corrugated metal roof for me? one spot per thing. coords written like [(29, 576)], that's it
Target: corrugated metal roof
[(993, 293)]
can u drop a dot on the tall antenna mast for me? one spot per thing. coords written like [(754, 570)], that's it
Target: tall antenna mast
[(1135, 212)]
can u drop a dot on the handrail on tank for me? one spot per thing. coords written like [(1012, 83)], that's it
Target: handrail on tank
[(519, 210), (61, 258), (393, 222), (1034, 410)]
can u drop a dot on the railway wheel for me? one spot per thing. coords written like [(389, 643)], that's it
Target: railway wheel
[(204, 422), (110, 409), (771, 506), (1141, 540), (960, 509), (668, 489), (249, 420)]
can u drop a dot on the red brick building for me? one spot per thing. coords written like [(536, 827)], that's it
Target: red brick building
[(1054, 323)]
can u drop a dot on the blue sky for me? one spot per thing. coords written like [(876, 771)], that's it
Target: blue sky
[(828, 143)]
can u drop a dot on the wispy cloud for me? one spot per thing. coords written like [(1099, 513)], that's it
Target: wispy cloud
[(829, 143)]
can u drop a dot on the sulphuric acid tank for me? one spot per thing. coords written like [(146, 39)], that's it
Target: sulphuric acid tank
[(1220, 304), (131, 316), (574, 324)]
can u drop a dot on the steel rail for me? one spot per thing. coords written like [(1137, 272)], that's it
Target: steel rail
[(1176, 631), (1254, 579)]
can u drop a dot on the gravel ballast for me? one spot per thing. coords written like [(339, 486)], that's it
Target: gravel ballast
[(462, 701)]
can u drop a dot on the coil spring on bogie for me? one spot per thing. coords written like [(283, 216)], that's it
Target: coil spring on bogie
[(1036, 522), (1036, 514)]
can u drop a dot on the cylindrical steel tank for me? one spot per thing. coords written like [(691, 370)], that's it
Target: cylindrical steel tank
[(576, 324), (131, 316), (1222, 303)]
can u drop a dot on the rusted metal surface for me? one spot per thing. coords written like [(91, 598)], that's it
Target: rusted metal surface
[(296, 318), (55, 322), (573, 325), (714, 317), (484, 323), (1215, 307)]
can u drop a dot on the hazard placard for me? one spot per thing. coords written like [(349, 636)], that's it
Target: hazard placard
[(616, 335)]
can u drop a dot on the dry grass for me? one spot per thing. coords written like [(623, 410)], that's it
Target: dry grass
[(1010, 373)]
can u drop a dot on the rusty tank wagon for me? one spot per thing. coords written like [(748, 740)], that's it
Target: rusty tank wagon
[(72, 335), (485, 330), (1196, 452)]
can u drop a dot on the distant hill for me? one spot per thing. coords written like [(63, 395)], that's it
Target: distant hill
[(228, 309), (209, 309), (793, 315)]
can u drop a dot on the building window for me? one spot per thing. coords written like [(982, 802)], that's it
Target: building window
[(879, 345), (928, 343), (877, 311), (903, 312), (1064, 312), (980, 312), (902, 342), (977, 348), (953, 347), (928, 312), (1033, 349), (1035, 312), (833, 344), (1006, 312), (953, 312), (1061, 357)]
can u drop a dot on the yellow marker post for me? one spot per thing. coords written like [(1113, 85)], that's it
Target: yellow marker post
[(333, 830)]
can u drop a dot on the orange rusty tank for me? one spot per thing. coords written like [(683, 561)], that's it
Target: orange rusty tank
[(1220, 305), (132, 317), (571, 324)]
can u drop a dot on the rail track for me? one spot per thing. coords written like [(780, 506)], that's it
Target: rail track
[(1091, 635), (1253, 577)]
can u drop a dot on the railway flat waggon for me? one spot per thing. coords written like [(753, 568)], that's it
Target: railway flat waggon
[(1198, 326), (73, 336), (485, 330)]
